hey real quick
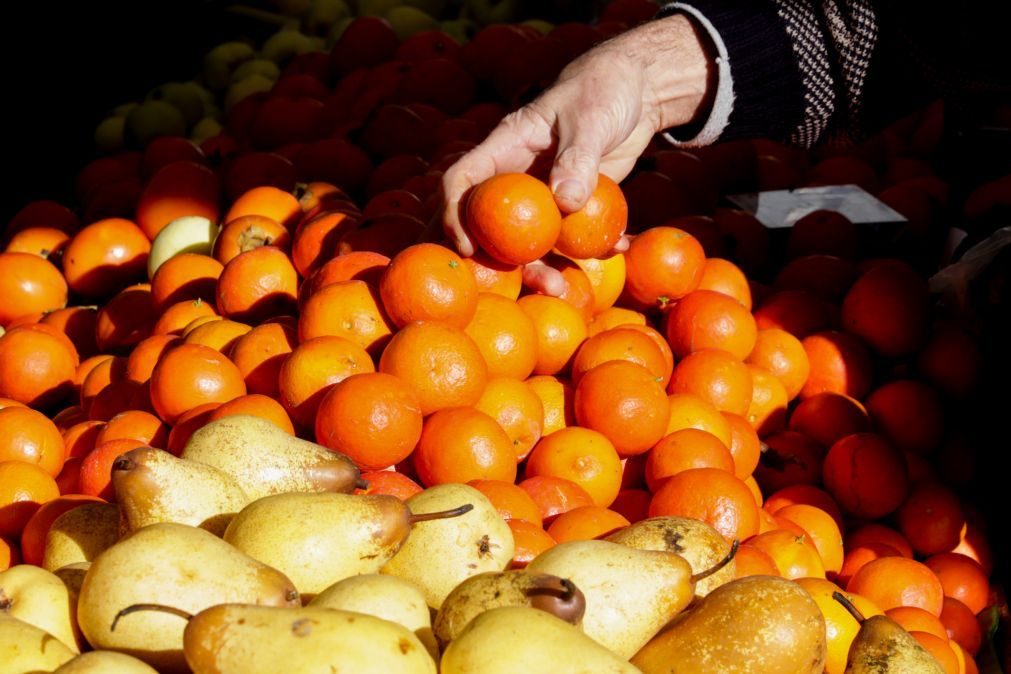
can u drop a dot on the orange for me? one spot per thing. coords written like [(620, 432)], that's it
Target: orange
[(828, 417), (821, 530), (750, 561), (897, 581), (359, 265), (96, 468), (621, 343), (8, 554), (511, 502), (428, 282), (33, 537), (824, 275), (725, 277), (913, 618), (254, 404), (505, 335), (794, 555), (349, 309), (555, 495), (783, 355), (683, 450), (187, 424), (888, 307), (517, 409), (177, 189), (626, 403), (560, 330), (931, 518), (661, 343), (691, 411), (966, 663), (126, 319), (174, 318), (105, 256), (664, 265), (256, 285), (582, 456), (317, 240), (789, 459), (593, 230), (513, 217), (492, 276), (962, 578), (879, 533), (373, 418), (44, 242), (804, 494), (260, 353), (961, 626), (441, 364), (266, 201), (557, 399), (632, 504), (706, 319), (858, 557), (939, 648), (247, 232), (716, 377), (36, 369), (186, 276), (27, 435), (67, 417), (756, 492), (840, 627), (220, 335), (586, 523), (607, 279), (29, 284), (80, 438), (866, 475), (190, 375), (909, 414), (839, 363), (711, 495), (797, 312), (24, 488), (744, 445), (530, 539), (578, 291), (78, 324), (312, 369), (460, 444), (951, 361), (767, 411), (142, 359), (614, 317), (134, 425), (390, 483)]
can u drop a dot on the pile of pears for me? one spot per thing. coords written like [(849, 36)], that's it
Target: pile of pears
[(249, 553)]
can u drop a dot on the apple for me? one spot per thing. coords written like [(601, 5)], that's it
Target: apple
[(263, 67), (222, 60), (242, 89), (285, 43), (408, 21), (188, 234), (487, 12), (461, 30), (184, 97), (109, 135), (152, 119), (323, 14), (208, 127), (367, 42)]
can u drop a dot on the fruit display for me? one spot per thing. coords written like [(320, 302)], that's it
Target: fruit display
[(257, 415)]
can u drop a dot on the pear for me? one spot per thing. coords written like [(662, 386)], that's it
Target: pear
[(81, 534), (319, 539), (26, 649), (154, 486), (512, 639), (700, 544), (105, 662), (173, 564), (244, 639), (440, 555), (38, 597), (265, 460), (882, 646), (630, 593), (386, 597), (752, 625), (477, 594), (72, 576)]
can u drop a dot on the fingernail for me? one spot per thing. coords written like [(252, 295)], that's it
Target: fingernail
[(570, 190)]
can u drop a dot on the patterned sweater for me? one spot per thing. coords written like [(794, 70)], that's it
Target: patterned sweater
[(803, 70)]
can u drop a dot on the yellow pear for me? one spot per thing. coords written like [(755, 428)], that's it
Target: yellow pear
[(265, 460), (176, 565), (154, 486), (513, 639), (440, 555), (39, 597), (81, 534), (883, 646), (105, 662), (26, 649)]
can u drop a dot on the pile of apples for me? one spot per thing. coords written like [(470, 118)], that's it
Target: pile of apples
[(223, 513)]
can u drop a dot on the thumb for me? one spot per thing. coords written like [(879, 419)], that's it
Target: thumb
[(577, 164)]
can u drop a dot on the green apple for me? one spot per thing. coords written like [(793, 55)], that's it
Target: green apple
[(406, 21), (461, 30), (285, 43), (262, 67), (377, 7), (323, 14), (109, 135), (540, 25), (184, 97), (188, 234), (208, 127), (222, 60), (153, 119), (431, 7), (253, 84), (487, 12)]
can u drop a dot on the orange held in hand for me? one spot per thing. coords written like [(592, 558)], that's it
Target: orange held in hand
[(593, 230), (514, 218)]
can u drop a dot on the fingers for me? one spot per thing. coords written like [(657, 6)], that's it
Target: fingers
[(622, 246), (541, 278), (574, 174)]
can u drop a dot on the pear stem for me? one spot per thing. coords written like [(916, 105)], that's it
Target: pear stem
[(849, 606), (149, 607), (361, 484), (702, 575), (441, 515), (563, 588)]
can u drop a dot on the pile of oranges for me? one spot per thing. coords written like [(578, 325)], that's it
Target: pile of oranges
[(804, 417)]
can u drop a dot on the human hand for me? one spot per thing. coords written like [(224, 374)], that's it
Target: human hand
[(597, 118)]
